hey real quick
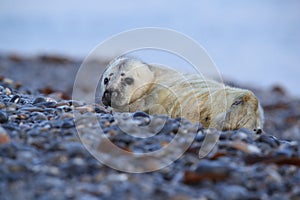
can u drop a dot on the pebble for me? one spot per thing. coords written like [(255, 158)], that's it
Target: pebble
[(31, 109), (39, 100), (247, 148), (2, 105), (108, 117), (4, 137), (269, 139), (47, 104), (15, 99), (213, 167), (38, 116), (3, 117), (285, 149), (83, 109), (76, 103), (68, 124), (207, 170), (8, 91), (140, 114), (100, 109), (142, 118), (233, 192)]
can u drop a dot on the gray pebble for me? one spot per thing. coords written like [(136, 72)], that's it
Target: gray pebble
[(269, 139), (213, 167), (15, 99), (76, 103), (31, 109), (140, 114), (48, 104), (39, 100), (68, 124), (38, 116), (233, 192), (286, 149), (3, 117)]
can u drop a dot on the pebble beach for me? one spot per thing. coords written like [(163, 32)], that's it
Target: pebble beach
[(42, 155)]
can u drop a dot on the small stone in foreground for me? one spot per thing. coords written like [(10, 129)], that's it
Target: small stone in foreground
[(3, 117), (4, 137)]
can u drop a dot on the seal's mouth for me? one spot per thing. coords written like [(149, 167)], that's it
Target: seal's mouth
[(106, 98), (111, 98)]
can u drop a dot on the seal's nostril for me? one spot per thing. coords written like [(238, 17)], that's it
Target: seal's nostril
[(114, 94), (107, 94)]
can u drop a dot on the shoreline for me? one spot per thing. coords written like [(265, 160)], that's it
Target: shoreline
[(42, 157), (67, 65)]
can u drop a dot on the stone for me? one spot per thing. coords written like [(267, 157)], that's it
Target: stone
[(3, 117)]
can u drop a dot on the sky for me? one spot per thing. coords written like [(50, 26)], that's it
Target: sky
[(255, 42)]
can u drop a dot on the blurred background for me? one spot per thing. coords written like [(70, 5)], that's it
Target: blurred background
[(252, 42)]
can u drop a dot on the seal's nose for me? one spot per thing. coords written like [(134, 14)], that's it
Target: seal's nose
[(106, 99)]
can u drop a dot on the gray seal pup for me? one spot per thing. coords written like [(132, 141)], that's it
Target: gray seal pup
[(130, 85)]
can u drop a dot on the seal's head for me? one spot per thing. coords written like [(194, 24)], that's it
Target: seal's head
[(124, 81)]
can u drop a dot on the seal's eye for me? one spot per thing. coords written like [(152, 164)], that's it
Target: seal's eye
[(105, 81), (128, 80)]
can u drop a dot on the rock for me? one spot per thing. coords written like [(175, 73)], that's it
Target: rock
[(1, 89), (285, 149), (76, 103), (233, 192), (269, 139), (8, 91), (48, 104), (68, 124), (39, 100), (142, 118), (38, 116), (3, 117), (207, 170), (247, 148), (4, 137), (15, 99), (84, 109), (31, 109), (9, 150)]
